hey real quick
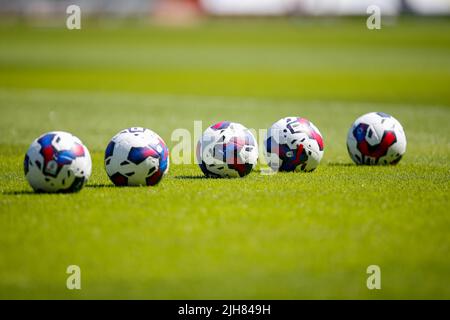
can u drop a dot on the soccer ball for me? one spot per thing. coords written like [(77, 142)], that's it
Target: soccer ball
[(136, 157), (293, 144), (227, 149), (376, 138), (57, 162)]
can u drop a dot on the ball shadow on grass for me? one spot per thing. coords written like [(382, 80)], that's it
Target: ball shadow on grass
[(100, 186), (192, 177), (340, 164), (20, 192), (31, 192)]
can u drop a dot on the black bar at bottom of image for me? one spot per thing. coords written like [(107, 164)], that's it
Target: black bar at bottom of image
[(225, 309)]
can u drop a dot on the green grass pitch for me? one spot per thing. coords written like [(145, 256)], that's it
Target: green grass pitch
[(285, 236)]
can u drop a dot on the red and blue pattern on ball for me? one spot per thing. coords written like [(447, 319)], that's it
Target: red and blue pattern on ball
[(373, 151), (61, 157), (312, 134), (290, 159), (228, 153), (231, 152), (221, 125), (139, 154)]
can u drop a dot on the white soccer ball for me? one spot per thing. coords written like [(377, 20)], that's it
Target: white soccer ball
[(227, 149), (57, 162), (136, 157), (293, 144), (376, 138)]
